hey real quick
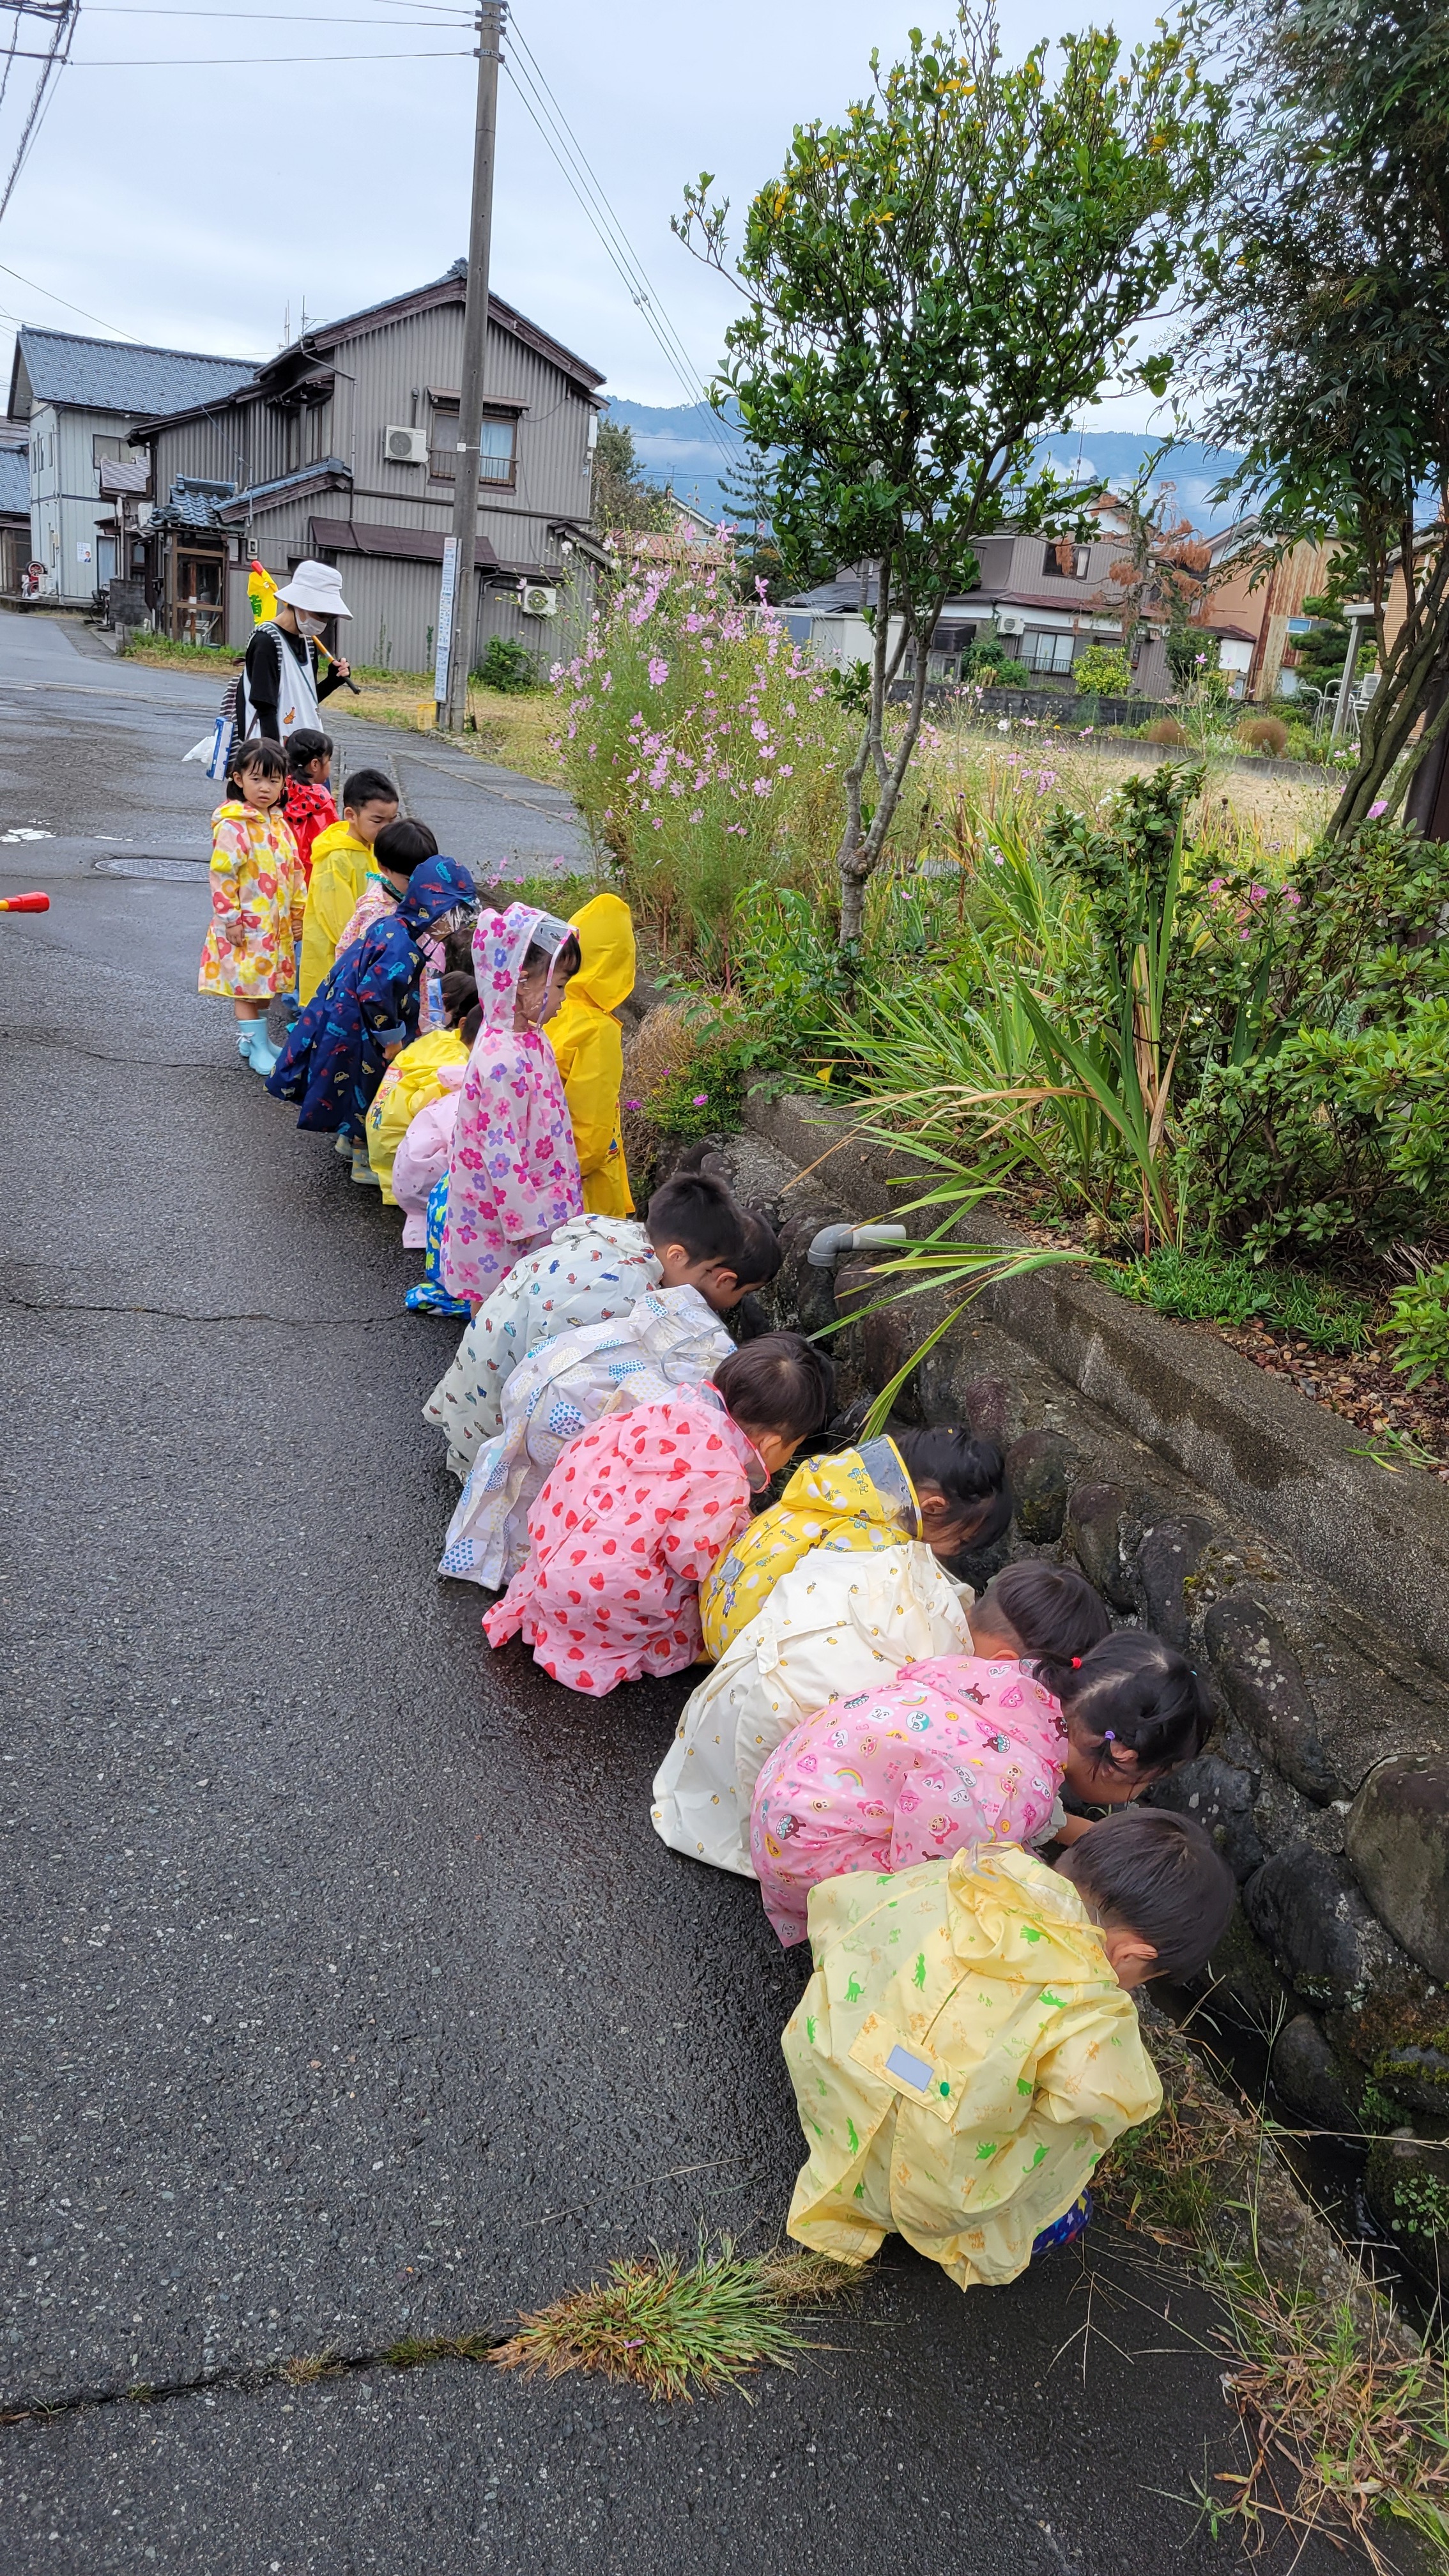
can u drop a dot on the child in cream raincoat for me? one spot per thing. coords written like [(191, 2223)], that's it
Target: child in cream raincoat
[(830, 1628), (934, 1485), (671, 1338), (967, 2048)]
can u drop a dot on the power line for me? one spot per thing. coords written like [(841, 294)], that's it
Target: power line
[(536, 95), (51, 62), (231, 62)]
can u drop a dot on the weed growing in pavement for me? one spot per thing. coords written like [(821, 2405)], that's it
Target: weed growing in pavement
[(672, 2326), (412, 2352), (1346, 2419), (305, 2367)]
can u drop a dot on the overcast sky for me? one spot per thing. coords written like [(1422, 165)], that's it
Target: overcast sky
[(182, 197)]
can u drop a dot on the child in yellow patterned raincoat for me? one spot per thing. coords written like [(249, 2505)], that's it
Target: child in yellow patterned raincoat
[(967, 2050), (940, 1486)]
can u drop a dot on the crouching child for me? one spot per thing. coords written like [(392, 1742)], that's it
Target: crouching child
[(967, 2049)]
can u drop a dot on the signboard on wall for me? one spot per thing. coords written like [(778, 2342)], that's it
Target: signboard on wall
[(82, 551)]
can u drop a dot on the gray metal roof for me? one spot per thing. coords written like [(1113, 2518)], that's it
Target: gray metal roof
[(111, 375), (15, 479)]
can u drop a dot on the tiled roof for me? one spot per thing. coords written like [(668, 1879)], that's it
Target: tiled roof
[(15, 479), (111, 375)]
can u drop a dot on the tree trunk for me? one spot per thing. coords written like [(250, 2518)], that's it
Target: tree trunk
[(859, 856)]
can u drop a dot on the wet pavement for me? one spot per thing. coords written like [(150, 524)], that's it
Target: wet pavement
[(351, 1995)]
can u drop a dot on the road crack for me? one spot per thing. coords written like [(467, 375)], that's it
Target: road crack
[(182, 1315), (299, 2370)]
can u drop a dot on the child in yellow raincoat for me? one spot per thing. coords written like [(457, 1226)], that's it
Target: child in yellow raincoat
[(966, 2050), (341, 859), (589, 1045), (940, 1486), (412, 1080)]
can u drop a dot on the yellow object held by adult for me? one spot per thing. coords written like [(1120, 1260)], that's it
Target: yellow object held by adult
[(589, 1045)]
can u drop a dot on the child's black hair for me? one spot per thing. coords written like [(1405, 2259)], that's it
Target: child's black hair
[(970, 1473), (458, 951), (1134, 1693), (566, 958), (304, 746), (400, 847), (761, 1251), (267, 758), (1053, 1613), (780, 1383), (470, 1023), (1148, 1871), (368, 787), (698, 1211), (460, 993)]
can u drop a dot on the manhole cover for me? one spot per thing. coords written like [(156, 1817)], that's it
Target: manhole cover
[(186, 871)]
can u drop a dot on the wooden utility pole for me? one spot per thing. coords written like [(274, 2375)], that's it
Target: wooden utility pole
[(458, 591)]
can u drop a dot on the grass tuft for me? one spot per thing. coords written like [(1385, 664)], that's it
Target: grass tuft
[(305, 2367), (413, 2351), (1346, 2431), (673, 2326)]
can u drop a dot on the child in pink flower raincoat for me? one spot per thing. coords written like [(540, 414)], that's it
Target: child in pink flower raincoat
[(968, 1749), (513, 1174), (639, 1506)]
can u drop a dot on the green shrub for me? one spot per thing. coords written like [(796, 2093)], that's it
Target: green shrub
[(1103, 671), (1419, 1324), (508, 667)]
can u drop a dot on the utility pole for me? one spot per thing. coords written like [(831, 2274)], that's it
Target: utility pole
[(456, 597)]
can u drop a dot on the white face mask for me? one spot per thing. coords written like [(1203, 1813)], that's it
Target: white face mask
[(306, 623)]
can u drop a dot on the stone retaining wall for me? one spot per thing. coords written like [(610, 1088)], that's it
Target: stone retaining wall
[(1261, 1552)]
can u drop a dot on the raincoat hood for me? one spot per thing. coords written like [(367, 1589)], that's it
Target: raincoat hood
[(962, 2057), (438, 886), (605, 933), (860, 1500), (501, 941)]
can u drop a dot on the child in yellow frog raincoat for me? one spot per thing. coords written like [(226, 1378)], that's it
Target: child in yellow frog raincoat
[(940, 1486), (589, 1045), (967, 2050)]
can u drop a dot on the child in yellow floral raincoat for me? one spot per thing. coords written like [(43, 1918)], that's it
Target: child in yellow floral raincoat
[(258, 896), (967, 2049), (940, 1486)]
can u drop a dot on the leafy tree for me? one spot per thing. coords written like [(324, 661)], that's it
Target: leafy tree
[(622, 496), (1103, 671), (1318, 343), (931, 286), (1166, 574)]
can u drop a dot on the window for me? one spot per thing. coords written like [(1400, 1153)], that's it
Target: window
[(109, 451), (1065, 561), (1044, 653), (496, 444)]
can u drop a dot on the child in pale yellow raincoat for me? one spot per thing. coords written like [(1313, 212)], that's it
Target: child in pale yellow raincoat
[(589, 1045), (939, 1486), (412, 1080), (967, 2050)]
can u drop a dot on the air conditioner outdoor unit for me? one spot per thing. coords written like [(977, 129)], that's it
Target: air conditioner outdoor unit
[(405, 446), (538, 600), (1008, 623)]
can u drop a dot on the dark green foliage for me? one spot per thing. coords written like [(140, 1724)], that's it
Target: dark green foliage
[(1228, 1288), (508, 667)]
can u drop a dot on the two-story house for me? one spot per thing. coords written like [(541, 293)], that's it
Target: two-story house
[(1046, 599), (344, 448), (77, 398)]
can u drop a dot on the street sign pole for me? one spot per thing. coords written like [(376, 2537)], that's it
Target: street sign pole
[(456, 597)]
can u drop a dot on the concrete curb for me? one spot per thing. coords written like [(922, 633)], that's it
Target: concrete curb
[(1266, 1453)]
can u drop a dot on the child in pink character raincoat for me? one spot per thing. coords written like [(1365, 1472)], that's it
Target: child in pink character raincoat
[(968, 1749), (638, 1507), (513, 1174)]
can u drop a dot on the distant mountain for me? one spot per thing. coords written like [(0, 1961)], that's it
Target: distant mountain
[(687, 446)]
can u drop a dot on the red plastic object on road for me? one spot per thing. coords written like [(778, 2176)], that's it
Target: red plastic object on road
[(25, 903)]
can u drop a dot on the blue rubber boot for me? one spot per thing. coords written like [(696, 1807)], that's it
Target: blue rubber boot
[(262, 1054), (246, 1031)]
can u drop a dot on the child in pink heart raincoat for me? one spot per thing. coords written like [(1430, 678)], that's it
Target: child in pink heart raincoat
[(968, 1749), (637, 1509), (513, 1174)]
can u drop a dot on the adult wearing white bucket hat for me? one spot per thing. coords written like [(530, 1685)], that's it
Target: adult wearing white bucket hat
[(279, 691)]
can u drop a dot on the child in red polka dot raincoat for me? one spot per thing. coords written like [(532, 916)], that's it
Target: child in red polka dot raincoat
[(637, 1509)]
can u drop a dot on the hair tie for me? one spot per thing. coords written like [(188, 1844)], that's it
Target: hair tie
[(1076, 1663), (1109, 1735)]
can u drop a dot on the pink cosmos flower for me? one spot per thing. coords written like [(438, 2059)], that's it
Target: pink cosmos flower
[(658, 671)]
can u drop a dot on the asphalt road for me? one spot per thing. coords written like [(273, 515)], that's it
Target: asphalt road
[(350, 1993)]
